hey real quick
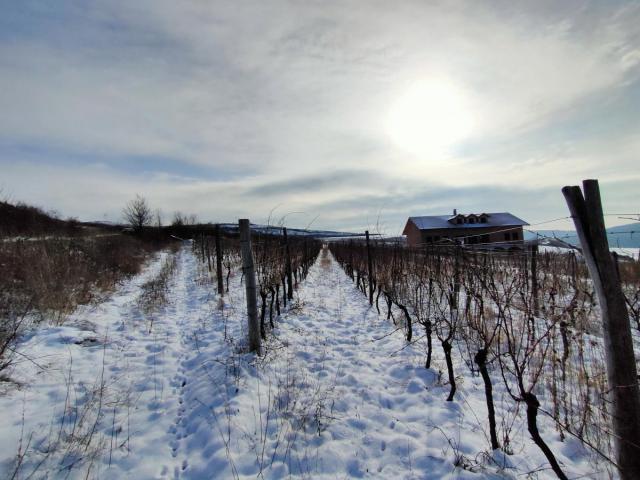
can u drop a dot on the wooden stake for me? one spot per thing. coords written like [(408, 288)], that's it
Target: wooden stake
[(534, 280), (369, 268), (456, 276), (219, 254), (621, 366), (250, 283), (288, 264), (208, 248)]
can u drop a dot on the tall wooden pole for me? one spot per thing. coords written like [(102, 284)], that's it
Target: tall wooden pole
[(219, 261), (456, 276), (250, 283), (621, 366), (534, 280), (208, 252), (288, 264), (369, 268)]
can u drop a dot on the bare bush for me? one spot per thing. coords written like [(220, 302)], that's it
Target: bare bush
[(181, 219)]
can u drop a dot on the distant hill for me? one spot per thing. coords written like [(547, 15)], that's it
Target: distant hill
[(623, 236), (277, 230), (22, 219)]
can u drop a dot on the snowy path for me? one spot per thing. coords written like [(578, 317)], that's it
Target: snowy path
[(360, 399), (104, 394), (337, 394), (340, 394)]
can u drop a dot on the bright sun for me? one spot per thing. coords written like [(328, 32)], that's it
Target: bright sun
[(429, 118)]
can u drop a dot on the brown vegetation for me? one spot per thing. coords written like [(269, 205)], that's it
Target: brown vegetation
[(55, 275), (26, 220), (45, 279)]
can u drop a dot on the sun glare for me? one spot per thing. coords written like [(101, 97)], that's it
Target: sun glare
[(429, 118)]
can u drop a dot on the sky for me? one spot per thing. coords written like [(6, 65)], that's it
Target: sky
[(346, 115)]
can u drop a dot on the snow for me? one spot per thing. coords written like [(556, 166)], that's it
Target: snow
[(338, 393), (625, 252), (55, 237), (628, 252)]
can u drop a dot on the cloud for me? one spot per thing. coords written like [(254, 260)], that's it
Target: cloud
[(313, 183), (260, 103)]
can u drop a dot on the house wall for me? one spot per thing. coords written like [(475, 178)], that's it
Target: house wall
[(414, 236), (496, 234)]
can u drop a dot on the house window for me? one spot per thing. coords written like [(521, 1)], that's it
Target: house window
[(472, 220), (510, 236), (460, 221)]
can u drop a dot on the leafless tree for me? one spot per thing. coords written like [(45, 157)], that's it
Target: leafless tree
[(137, 213), (180, 219)]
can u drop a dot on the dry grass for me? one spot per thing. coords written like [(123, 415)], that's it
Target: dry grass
[(46, 279), (629, 271), (56, 275), (156, 290)]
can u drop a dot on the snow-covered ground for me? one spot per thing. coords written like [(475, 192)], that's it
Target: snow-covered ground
[(628, 252), (338, 393), (102, 394)]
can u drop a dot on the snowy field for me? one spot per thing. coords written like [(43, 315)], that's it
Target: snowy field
[(628, 252), (625, 252), (338, 393)]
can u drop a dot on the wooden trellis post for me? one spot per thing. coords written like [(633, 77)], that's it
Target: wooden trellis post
[(534, 280), (288, 264), (621, 366), (219, 254), (369, 268), (250, 284)]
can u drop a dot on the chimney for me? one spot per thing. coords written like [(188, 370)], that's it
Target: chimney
[(455, 212)]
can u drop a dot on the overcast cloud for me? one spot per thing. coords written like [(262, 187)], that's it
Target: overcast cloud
[(230, 109)]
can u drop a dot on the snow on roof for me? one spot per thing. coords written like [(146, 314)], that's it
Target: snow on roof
[(500, 219)]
